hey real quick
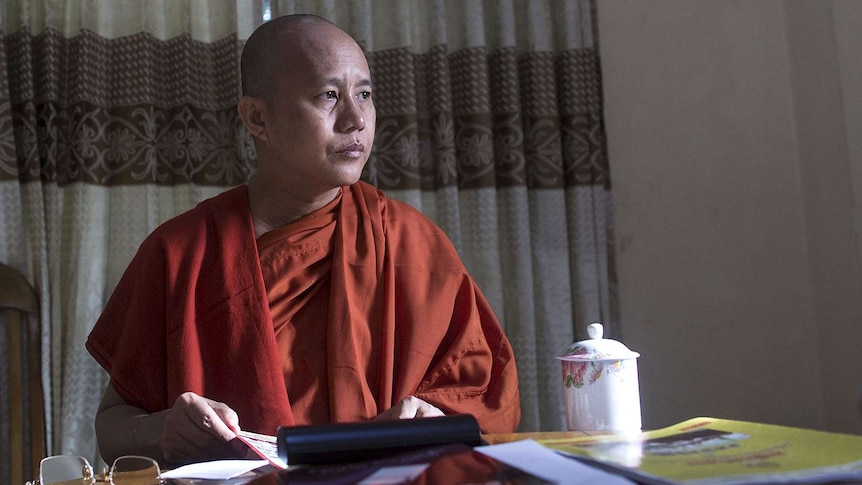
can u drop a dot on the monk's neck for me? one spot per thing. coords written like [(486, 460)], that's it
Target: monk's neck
[(271, 209)]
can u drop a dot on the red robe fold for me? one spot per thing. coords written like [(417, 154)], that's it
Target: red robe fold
[(404, 318)]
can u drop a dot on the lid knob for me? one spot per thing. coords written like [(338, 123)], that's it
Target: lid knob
[(597, 348), (595, 330)]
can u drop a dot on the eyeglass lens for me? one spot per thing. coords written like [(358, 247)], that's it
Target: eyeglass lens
[(65, 470), (135, 470)]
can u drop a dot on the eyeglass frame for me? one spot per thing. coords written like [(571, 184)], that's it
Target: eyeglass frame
[(87, 472)]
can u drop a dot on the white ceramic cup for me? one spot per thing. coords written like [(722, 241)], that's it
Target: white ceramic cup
[(600, 380)]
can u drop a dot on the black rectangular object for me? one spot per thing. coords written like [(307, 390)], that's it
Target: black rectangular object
[(366, 440)]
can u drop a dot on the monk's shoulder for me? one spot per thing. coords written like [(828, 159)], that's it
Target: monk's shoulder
[(402, 219), (415, 238), (192, 227)]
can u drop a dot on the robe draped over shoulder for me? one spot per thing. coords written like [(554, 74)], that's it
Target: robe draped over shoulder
[(404, 318)]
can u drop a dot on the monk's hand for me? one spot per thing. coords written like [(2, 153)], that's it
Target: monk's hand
[(410, 407), (197, 429)]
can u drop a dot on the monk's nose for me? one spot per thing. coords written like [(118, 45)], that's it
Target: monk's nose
[(352, 118)]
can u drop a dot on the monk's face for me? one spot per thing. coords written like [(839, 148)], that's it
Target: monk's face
[(320, 122)]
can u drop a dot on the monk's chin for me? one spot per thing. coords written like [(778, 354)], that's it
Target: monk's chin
[(348, 176)]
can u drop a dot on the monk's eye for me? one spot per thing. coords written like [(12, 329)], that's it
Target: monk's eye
[(329, 95), (363, 95)]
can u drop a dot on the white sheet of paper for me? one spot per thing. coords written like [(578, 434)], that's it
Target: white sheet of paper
[(215, 470), (548, 464)]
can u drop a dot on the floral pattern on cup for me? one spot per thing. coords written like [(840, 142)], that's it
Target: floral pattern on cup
[(574, 372), (583, 353)]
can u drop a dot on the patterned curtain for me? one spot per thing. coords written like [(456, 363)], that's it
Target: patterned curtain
[(118, 114)]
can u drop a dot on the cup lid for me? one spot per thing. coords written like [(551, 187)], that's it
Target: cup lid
[(597, 348)]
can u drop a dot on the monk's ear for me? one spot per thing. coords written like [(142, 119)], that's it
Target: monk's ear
[(251, 110)]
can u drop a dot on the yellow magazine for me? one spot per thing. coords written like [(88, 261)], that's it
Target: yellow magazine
[(709, 450)]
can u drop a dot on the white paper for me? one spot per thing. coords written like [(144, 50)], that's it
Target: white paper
[(534, 458), (215, 470)]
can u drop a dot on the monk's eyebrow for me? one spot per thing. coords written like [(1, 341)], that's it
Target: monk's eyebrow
[(334, 81)]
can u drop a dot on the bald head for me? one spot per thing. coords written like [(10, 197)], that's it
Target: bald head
[(276, 44)]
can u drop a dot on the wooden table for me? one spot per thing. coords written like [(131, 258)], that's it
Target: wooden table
[(498, 438)]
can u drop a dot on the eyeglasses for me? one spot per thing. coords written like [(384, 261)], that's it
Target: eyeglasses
[(76, 470)]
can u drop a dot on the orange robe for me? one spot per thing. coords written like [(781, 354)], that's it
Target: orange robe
[(395, 312)]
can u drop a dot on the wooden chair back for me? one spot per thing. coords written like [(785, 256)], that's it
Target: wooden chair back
[(25, 420)]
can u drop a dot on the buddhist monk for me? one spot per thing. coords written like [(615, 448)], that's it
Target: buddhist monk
[(303, 297)]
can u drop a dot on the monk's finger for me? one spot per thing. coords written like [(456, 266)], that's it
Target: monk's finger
[(199, 411), (427, 410), (406, 408), (211, 421), (231, 419), (183, 438), (419, 408), (397, 411), (413, 407), (227, 415)]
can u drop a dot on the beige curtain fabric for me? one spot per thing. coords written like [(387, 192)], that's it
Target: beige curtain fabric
[(116, 115)]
